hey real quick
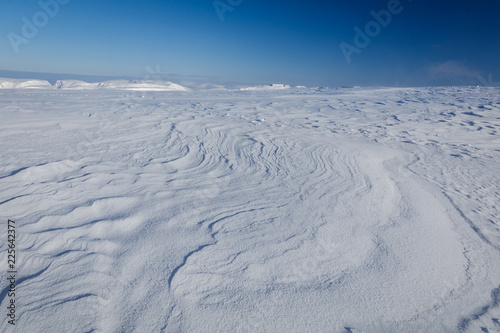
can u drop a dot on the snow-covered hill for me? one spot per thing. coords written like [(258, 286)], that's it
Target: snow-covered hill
[(148, 85), (136, 85)]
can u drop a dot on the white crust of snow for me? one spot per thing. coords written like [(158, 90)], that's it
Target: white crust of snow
[(348, 210)]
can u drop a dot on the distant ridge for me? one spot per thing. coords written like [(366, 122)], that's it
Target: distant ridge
[(24, 84), (274, 86), (53, 77), (147, 85), (136, 85)]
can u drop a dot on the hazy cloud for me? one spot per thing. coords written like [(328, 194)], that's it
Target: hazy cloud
[(451, 70)]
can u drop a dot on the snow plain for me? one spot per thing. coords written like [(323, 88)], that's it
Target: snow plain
[(294, 210)]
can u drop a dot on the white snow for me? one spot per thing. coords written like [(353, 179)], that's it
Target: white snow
[(6, 83), (274, 86), (343, 210), (134, 85), (147, 85)]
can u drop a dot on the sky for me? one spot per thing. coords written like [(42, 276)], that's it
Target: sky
[(309, 42)]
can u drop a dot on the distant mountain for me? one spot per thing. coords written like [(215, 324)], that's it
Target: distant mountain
[(136, 85), (53, 77), (24, 84), (149, 85)]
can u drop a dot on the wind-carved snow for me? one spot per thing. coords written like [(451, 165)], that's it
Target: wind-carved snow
[(347, 210)]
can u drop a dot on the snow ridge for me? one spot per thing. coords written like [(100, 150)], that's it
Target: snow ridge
[(6, 83)]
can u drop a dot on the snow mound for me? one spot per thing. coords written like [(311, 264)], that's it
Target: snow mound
[(149, 85), (6, 83), (274, 86)]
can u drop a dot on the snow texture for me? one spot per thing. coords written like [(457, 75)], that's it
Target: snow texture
[(297, 210)]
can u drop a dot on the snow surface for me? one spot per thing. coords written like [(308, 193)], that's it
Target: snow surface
[(342, 210)]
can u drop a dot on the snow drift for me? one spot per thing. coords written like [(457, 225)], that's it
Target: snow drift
[(347, 210)]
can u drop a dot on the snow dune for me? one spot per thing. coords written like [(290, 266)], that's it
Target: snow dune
[(347, 210)]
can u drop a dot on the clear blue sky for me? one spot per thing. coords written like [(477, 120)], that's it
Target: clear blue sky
[(295, 42)]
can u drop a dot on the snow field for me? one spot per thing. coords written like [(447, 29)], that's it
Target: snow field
[(296, 210)]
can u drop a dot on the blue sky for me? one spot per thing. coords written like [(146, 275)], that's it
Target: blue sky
[(294, 42)]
